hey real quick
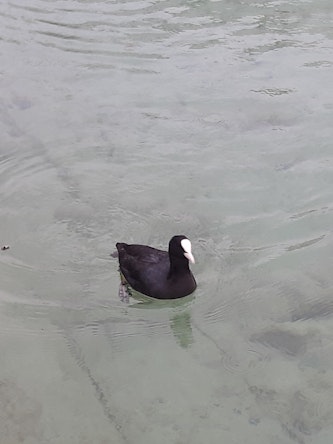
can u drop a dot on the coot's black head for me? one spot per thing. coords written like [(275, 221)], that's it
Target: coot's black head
[(180, 247)]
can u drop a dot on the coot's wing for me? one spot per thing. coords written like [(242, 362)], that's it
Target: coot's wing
[(141, 253), (142, 266)]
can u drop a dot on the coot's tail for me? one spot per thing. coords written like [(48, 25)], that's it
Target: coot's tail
[(120, 247)]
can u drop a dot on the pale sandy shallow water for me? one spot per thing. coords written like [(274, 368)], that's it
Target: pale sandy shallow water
[(133, 121)]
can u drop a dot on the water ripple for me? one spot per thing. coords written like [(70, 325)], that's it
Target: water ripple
[(132, 30), (306, 243), (76, 31)]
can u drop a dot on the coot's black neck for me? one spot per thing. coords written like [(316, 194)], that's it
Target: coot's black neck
[(178, 265)]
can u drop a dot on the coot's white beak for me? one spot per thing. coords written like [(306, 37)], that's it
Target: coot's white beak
[(190, 257), (187, 247)]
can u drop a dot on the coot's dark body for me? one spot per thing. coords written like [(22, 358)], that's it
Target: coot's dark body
[(156, 273)]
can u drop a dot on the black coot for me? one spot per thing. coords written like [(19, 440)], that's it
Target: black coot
[(156, 273)]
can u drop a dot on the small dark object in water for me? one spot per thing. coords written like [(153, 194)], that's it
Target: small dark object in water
[(156, 273), (5, 247)]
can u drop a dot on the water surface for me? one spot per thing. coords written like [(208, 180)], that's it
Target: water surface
[(133, 121)]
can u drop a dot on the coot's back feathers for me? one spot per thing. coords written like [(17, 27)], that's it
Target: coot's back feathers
[(156, 273)]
